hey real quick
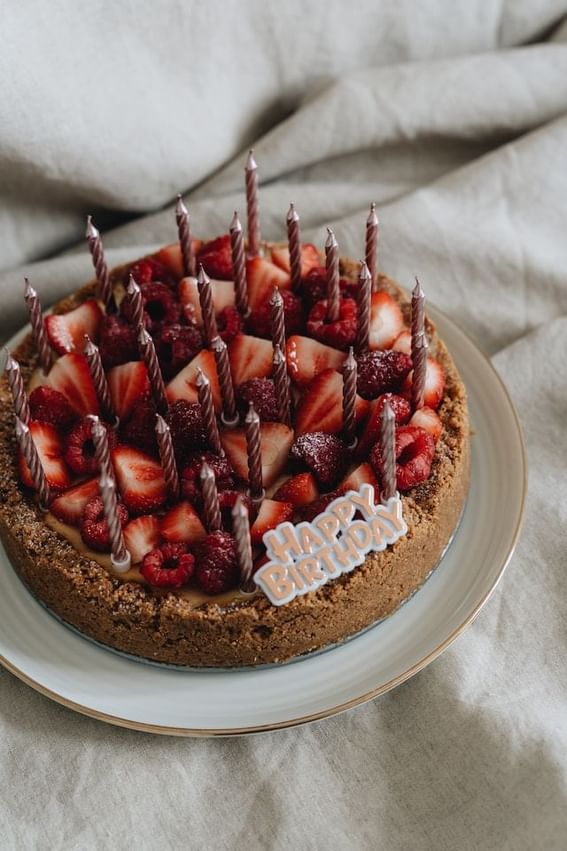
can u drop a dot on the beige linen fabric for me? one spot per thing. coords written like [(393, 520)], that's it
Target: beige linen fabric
[(453, 117)]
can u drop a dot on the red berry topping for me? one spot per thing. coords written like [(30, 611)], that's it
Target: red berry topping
[(94, 528), (310, 511), (149, 269), (415, 449), (340, 334), (79, 451), (50, 406), (160, 305), (139, 429), (216, 563), (261, 319), (299, 490), (66, 331), (176, 345), (229, 323), (227, 500), (118, 342), (216, 257), (381, 371), (314, 286), (168, 566), (324, 454), (187, 428), (190, 483), (262, 393), (371, 433)]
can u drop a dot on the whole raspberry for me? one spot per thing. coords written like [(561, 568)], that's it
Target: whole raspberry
[(51, 406), (340, 334), (260, 319), (139, 429), (94, 528), (323, 454), (379, 372), (310, 511), (187, 428), (118, 342), (149, 269), (176, 345), (160, 305), (314, 286), (262, 393), (190, 482), (79, 449), (216, 257), (415, 449), (229, 323), (216, 563), (168, 566)]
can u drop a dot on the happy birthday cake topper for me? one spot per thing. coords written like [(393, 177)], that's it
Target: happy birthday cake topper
[(305, 556)]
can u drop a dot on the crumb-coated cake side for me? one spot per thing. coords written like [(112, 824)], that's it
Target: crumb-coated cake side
[(168, 626)]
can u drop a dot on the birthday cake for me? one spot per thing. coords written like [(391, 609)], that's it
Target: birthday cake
[(228, 474)]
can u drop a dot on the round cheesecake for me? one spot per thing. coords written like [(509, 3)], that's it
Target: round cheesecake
[(187, 626)]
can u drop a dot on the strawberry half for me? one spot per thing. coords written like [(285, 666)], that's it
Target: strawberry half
[(306, 358), (127, 384), (172, 259), (362, 475), (69, 506), (321, 406), (262, 276), (299, 490), (222, 293), (429, 420), (250, 357), (184, 385), (386, 321), (66, 331), (275, 441), (271, 514), (141, 536), (371, 432), (71, 376), (402, 343), (434, 384), (50, 448), (181, 524), (139, 478), (309, 258)]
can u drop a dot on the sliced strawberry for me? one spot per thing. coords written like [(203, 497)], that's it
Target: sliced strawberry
[(271, 514), (299, 490), (141, 536), (69, 506), (262, 276), (170, 256), (386, 321), (50, 448), (362, 475), (250, 357), (67, 331), (275, 440), (222, 292), (306, 358), (71, 376), (127, 384), (429, 420), (434, 384), (371, 433), (181, 524), (184, 385), (309, 258), (321, 406), (140, 479), (402, 343)]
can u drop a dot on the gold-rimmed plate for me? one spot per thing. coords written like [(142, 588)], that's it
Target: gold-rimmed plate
[(89, 679)]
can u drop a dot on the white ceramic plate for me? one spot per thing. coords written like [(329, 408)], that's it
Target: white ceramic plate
[(83, 676)]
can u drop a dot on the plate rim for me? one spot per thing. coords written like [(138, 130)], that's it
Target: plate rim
[(191, 732)]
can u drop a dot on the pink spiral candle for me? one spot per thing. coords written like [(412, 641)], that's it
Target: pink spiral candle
[(349, 398), (229, 413), (241, 532), (254, 451), (388, 452), (185, 238), (419, 348), (31, 455), (207, 307), (94, 361), (364, 296), (417, 311), (208, 412), (251, 178), (333, 278), (372, 229), (119, 555), (149, 356), (294, 245), (239, 266), (136, 304), (211, 508), (281, 381), (17, 388), (277, 317), (101, 446), (38, 327), (167, 457), (101, 269)]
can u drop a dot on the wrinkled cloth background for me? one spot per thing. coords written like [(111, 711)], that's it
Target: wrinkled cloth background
[(452, 116)]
